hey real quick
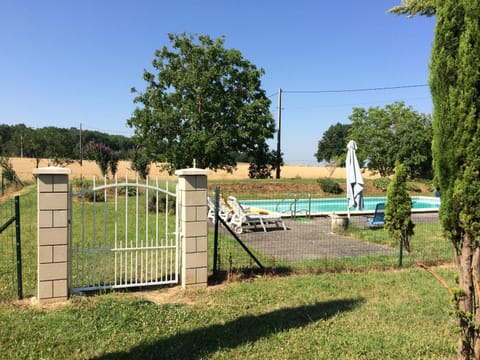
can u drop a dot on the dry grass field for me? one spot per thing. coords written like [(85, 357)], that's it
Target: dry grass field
[(25, 166)]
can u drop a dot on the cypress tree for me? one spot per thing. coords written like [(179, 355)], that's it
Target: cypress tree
[(398, 211), (455, 85)]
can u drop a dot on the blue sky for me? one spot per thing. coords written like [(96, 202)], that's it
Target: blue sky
[(63, 63)]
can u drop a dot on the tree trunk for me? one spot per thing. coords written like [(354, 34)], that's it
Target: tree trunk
[(476, 287), (465, 302)]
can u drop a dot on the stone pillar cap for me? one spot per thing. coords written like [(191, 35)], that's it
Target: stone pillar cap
[(191, 171), (52, 170)]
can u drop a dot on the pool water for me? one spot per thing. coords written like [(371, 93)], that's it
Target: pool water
[(333, 205)]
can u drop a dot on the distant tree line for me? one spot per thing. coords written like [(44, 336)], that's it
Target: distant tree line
[(62, 146), (58, 144)]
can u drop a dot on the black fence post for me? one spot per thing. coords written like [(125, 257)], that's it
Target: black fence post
[(19, 247), (215, 236), (400, 257)]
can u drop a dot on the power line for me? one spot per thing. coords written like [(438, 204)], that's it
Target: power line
[(354, 90), (355, 104)]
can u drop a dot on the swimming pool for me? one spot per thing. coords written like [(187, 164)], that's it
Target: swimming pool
[(329, 205)]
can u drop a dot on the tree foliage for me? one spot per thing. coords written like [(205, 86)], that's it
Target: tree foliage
[(398, 210), (262, 164), (414, 7), (8, 173), (104, 156), (203, 102), (331, 148), (395, 133), (61, 145), (140, 161)]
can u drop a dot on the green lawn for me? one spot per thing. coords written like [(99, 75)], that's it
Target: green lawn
[(371, 315), (427, 244)]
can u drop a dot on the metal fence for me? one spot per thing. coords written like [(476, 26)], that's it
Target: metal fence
[(322, 242), (9, 262), (10, 249), (307, 244)]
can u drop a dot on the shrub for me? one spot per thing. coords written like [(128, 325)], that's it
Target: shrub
[(98, 195), (330, 186), (80, 183), (140, 161), (103, 155), (381, 184), (162, 198), (132, 190), (8, 173), (413, 188)]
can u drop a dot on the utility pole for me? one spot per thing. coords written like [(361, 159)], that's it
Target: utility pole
[(279, 127), (21, 145), (81, 152)]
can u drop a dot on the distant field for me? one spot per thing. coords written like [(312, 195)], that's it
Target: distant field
[(25, 166)]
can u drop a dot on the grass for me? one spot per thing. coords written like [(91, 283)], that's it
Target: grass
[(388, 315), (427, 244)]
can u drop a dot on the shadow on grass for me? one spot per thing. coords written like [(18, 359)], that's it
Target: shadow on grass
[(199, 343), (245, 273)]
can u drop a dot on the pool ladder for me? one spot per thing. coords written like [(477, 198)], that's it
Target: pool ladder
[(294, 210)]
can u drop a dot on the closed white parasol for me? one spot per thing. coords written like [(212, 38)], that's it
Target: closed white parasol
[(354, 179)]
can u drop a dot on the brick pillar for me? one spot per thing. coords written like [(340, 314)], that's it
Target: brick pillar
[(52, 233), (192, 197)]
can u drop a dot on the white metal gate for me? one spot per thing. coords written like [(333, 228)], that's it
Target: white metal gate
[(122, 234)]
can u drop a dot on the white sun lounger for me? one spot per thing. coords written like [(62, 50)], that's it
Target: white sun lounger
[(224, 211), (252, 217)]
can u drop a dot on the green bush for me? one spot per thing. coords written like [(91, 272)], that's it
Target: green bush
[(413, 188), (381, 184), (162, 198), (330, 186), (79, 184), (8, 173), (98, 196), (132, 190)]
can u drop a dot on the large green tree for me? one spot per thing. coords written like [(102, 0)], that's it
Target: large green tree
[(202, 103), (331, 148), (390, 134)]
